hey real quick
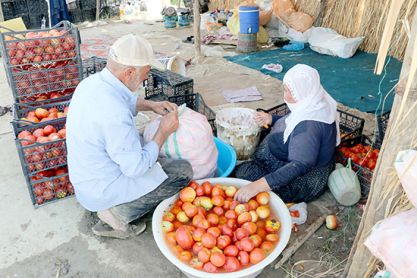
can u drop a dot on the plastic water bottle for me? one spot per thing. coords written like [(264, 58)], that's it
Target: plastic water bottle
[(43, 22)]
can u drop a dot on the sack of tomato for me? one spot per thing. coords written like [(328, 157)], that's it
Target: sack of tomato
[(364, 157), (207, 230)]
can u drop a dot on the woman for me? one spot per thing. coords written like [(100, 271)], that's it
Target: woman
[(296, 158)]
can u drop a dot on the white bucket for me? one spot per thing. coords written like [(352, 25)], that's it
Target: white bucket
[(278, 208), (174, 64), (237, 127)]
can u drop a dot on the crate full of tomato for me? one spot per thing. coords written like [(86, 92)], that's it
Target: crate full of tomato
[(43, 155), (364, 157), (42, 64)]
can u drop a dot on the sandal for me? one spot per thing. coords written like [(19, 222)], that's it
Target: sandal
[(104, 230)]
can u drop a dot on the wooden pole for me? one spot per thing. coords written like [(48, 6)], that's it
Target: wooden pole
[(400, 135), (197, 36), (1, 13), (97, 10)]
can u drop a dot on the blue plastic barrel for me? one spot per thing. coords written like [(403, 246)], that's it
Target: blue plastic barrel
[(170, 21), (183, 20), (249, 19)]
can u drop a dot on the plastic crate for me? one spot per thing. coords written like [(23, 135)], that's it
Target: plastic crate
[(196, 103), (93, 65), (21, 110), (168, 83), (38, 157), (350, 126), (44, 189), (382, 122), (364, 174), (39, 65)]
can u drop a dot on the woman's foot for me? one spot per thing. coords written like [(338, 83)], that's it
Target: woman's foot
[(102, 229)]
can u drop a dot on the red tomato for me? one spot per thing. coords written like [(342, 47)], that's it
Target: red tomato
[(217, 192), (256, 255), (232, 264), (208, 240), (355, 158), (198, 233), (196, 263), (209, 267), (272, 237), (232, 224), (171, 238), (251, 227), (243, 257), (197, 247), (247, 244), (207, 188), (218, 259), (231, 251), (185, 256), (213, 219), (204, 255), (184, 238), (231, 214), (199, 191), (227, 204), (226, 230), (223, 241), (256, 239), (267, 247), (193, 185), (222, 220), (215, 231), (371, 164), (217, 200), (218, 210), (241, 233)]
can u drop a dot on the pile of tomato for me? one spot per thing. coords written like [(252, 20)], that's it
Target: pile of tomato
[(209, 230), (365, 156)]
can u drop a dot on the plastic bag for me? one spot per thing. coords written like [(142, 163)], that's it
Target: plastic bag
[(344, 185), (283, 8), (406, 166), (298, 213), (393, 241), (193, 141), (294, 35), (328, 41), (299, 21)]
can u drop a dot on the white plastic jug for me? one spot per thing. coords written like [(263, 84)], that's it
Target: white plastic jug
[(344, 185)]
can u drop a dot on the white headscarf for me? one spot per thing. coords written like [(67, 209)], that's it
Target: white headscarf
[(313, 102)]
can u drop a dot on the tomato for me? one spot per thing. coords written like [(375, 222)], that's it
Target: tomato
[(218, 259), (199, 191), (256, 255), (256, 239), (204, 255), (213, 219), (215, 231), (198, 233), (232, 224), (201, 211), (263, 212), (226, 230), (355, 158), (263, 198), (208, 240), (182, 217), (234, 204), (251, 227), (169, 216), (185, 256), (241, 208), (184, 238), (231, 251), (247, 244), (222, 220), (187, 194), (243, 257), (227, 204), (209, 267), (167, 226), (207, 188), (241, 233), (267, 247), (272, 226), (231, 214), (189, 209), (196, 263), (272, 237), (253, 205), (198, 221), (197, 247), (223, 241), (217, 192), (232, 264), (218, 210), (371, 164), (217, 200), (244, 217), (170, 237), (295, 213), (179, 203), (193, 185)]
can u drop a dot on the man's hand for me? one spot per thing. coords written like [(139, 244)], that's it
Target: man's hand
[(169, 123), (249, 191), (164, 107), (262, 118)]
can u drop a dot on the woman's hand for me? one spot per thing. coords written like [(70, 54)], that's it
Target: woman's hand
[(262, 118), (247, 192)]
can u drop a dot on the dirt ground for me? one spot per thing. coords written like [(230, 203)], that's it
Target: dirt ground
[(57, 238)]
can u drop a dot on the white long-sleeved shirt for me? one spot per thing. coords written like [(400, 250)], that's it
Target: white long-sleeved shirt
[(107, 164)]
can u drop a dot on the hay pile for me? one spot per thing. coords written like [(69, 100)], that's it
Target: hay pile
[(352, 18)]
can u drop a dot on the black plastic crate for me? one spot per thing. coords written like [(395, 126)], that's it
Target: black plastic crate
[(350, 125), (39, 65), (196, 103), (49, 186), (21, 110), (36, 157), (168, 83), (364, 174), (382, 122), (93, 65)]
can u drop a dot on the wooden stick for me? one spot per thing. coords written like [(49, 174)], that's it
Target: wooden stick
[(197, 36), (299, 241), (97, 10)]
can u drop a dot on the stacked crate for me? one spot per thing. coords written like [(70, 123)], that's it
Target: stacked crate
[(43, 69)]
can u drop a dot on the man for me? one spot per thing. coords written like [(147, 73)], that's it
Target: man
[(112, 172)]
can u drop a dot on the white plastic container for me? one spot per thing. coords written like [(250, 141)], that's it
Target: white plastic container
[(174, 64), (278, 208), (237, 127), (344, 185)]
